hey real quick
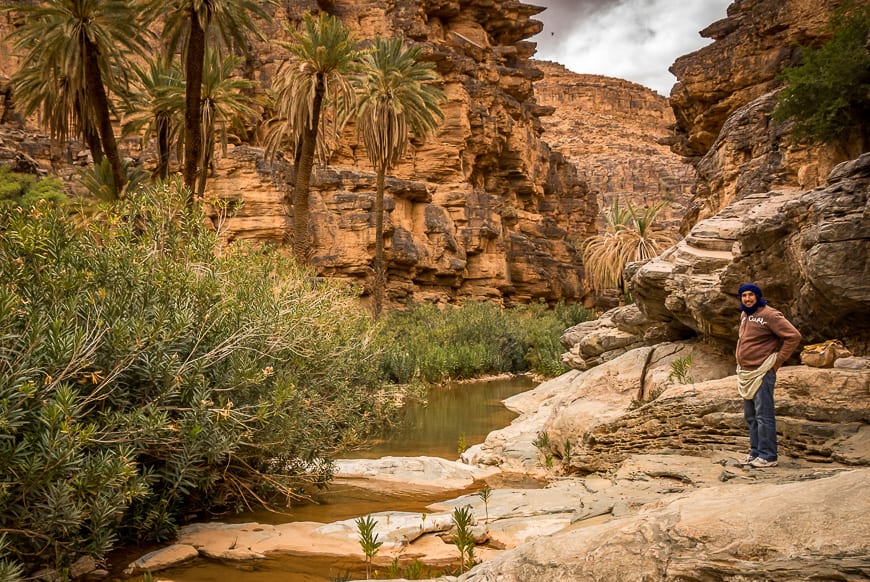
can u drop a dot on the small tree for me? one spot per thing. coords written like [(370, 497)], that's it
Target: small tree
[(629, 236), (828, 93), (156, 109), (463, 519), (225, 107)]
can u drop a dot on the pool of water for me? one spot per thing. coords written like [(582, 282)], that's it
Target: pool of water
[(455, 415)]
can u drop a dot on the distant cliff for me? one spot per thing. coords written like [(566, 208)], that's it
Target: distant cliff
[(610, 129)]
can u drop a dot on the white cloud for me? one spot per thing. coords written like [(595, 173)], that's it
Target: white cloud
[(630, 39)]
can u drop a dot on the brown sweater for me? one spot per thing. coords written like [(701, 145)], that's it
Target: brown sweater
[(762, 333)]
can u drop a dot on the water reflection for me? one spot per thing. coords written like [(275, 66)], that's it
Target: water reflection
[(467, 411)]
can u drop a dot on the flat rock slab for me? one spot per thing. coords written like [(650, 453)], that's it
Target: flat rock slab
[(410, 474), (162, 559), (803, 530)]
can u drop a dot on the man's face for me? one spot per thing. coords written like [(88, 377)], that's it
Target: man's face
[(748, 298)]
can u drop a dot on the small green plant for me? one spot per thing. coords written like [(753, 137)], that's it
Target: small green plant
[(462, 446), (414, 570), (542, 443), (394, 570), (635, 404), (485, 494), (566, 456), (368, 540), (463, 519), (681, 369)]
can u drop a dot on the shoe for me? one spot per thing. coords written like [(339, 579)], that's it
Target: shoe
[(748, 459), (760, 463)]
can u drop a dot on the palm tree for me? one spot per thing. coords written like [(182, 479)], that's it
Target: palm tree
[(396, 99), (155, 109), (225, 107), (629, 236), (189, 25), (312, 91), (73, 57)]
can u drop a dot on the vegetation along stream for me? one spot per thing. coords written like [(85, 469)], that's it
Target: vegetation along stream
[(456, 415)]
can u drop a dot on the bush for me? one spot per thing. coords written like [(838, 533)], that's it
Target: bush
[(17, 189), (431, 344), (145, 377), (828, 94)]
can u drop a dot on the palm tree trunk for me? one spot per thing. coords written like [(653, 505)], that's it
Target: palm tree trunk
[(100, 104), (301, 236), (207, 153), (380, 269), (92, 138), (162, 146), (193, 97)]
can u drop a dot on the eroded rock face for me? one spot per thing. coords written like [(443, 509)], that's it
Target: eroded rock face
[(724, 99), (483, 209), (806, 250), (611, 130), (751, 45)]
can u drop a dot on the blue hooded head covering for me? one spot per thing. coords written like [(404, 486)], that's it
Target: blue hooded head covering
[(756, 290)]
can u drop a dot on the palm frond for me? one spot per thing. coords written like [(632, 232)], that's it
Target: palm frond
[(629, 236)]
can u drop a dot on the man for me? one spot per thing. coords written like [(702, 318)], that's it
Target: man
[(765, 341)]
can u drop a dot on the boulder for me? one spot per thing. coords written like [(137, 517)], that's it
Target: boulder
[(746, 532), (614, 333), (806, 250)]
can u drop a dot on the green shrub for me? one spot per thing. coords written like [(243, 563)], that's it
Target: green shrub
[(146, 375), (17, 189), (431, 344), (828, 93)]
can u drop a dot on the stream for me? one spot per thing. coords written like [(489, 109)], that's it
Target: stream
[(459, 414)]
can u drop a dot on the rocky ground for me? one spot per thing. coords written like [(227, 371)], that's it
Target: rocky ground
[(645, 491)]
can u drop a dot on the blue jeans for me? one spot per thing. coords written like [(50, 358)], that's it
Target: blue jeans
[(760, 418)]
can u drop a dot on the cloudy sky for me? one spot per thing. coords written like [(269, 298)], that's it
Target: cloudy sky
[(630, 39)]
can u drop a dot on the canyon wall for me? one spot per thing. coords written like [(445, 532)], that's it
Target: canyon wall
[(791, 217), (612, 130), (724, 97), (482, 209)]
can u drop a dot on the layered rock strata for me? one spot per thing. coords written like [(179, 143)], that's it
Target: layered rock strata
[(808, 251), (723, 101), (483, 209), (611, 130), (711, 534)]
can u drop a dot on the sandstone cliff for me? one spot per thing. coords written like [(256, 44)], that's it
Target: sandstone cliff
[(610, 129), (725, 94), (483, 209)]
